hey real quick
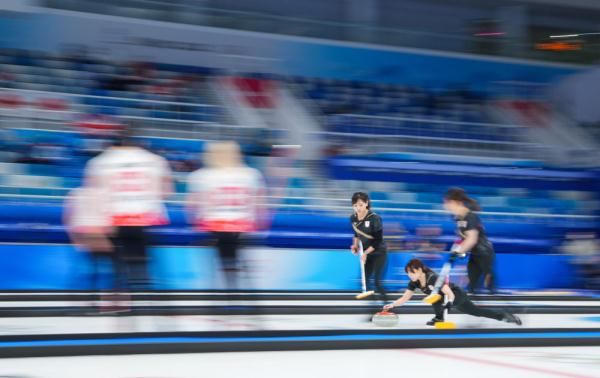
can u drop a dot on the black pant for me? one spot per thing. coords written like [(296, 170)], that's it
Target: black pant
[(376, 264), (463, 304), (228, 244), (131, 249), (478, 266)]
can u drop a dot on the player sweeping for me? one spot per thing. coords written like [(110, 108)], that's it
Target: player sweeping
[(423, 278), (368, 233), (473, 239)]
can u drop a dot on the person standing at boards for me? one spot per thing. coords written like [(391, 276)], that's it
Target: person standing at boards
[(225, 198), (132, 183), (368, 229), (473, 239), (89, 230)]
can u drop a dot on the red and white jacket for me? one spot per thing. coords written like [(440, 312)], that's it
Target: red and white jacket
[(226, 199), (84, 213), (132, 183)]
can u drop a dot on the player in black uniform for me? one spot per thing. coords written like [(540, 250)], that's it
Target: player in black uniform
[(473, 239), (368, 228), (423, 278)]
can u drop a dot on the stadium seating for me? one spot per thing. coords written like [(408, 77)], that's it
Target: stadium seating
[(31, 190)]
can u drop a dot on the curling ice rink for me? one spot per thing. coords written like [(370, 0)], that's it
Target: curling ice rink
[(204, 323), (172, 322), (562, 362)]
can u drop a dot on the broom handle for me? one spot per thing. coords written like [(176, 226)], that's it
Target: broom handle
[(446, 281), (362, 267), (444, 274)]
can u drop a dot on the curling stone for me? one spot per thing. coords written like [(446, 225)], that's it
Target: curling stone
[(385, 319)]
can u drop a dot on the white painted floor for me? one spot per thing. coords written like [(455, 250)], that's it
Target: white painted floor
[(563, 362), (191, 323)]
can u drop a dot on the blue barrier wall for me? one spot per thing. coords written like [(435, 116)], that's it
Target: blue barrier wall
[(62, 267), (40, 222)]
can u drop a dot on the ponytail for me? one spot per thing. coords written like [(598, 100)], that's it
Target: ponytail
[(459, 194)]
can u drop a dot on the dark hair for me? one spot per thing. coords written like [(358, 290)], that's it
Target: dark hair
[(415, 264), (361, 196), (459, 194), (125, 137)]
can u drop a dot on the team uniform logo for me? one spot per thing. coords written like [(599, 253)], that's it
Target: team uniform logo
[(131, 185)]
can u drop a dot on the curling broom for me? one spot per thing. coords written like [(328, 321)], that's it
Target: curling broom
[(442, 278), (364, 293)]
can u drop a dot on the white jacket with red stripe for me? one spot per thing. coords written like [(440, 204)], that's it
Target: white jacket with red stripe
[(226, 199), (133, 183)]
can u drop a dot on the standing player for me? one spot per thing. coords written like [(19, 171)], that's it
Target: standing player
[(133, 183), (224, 198), (423, 278), (89, 229), (368, 229), (473, 239)]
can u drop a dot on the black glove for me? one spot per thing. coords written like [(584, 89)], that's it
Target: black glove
[(456, 252), (456, 255)]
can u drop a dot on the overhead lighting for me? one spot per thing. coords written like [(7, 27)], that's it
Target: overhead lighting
[(564, 36), (572, 35), (489, 34)]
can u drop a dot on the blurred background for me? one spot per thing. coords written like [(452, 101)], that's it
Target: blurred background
[(190, 164), (399, 98)]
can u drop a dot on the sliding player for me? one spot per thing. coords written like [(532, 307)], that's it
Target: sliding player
[(423, 278)]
